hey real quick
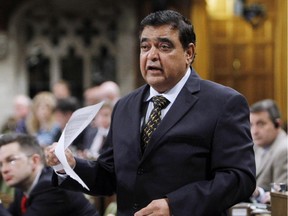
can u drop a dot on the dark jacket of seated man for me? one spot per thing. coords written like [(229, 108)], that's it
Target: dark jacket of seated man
[(22, 167), (47, 200)]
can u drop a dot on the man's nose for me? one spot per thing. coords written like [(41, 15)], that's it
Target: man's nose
[(254, 130), (153, 54), (4, 168)]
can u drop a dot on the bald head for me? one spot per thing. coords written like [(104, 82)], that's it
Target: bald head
[(110, 91), (22, 104)]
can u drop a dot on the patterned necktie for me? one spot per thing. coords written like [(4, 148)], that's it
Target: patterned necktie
[(159, 103), (23, 204)]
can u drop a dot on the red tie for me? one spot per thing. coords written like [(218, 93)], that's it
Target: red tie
[(23, 204)]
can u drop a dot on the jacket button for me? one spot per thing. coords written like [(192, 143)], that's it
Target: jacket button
[(140, 171), (135, 206)]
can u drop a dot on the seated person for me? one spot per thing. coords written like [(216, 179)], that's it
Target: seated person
[(41, 120), (63, 112), (22, 166), (270, 148), (101, 124)]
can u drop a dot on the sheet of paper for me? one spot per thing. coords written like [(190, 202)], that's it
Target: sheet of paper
[(76, 124)]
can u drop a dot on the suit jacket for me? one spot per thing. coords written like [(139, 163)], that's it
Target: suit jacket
[(200, 157), (272, 165), (47, 200)]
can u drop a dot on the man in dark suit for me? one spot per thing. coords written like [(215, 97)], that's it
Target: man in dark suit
[(22, 166), (199, 161)]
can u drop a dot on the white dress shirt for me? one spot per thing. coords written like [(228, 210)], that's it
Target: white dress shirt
[(170, 95)]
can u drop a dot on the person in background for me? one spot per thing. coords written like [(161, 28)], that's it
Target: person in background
[(41, 120), (198, 160), (102, 123), (63, 112), (111, 91), (21, 108), (107, 91), (271, 148), (92, 95), (61, 89), (15, 123), (22, 166)]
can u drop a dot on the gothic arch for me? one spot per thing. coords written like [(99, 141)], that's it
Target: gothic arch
[(78, 41)]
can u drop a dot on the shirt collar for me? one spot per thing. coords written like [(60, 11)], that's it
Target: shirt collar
[(27, 193)]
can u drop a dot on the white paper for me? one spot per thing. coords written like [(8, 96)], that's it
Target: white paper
[(76, 124)]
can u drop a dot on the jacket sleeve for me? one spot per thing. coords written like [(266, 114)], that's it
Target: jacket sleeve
[(98, 175)]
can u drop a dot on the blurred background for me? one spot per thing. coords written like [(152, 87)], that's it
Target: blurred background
[(240, 43)]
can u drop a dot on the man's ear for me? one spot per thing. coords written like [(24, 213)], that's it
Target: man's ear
[(190, 53), (36, 160), (277, 123)]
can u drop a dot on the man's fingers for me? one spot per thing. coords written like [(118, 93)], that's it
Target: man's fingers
[(51, 159), (155, 208)]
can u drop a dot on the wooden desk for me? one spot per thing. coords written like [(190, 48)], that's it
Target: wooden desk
[(279, 203), (250, 209), (240, 209)]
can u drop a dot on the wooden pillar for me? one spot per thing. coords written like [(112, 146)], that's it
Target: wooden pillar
[(199, 20), (280, 57)]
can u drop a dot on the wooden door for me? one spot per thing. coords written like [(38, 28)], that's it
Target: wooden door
[(242, 56)]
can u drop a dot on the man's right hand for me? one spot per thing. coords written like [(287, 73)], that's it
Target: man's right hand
[(52, 160)]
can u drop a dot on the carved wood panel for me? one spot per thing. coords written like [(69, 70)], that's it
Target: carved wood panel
[(242, 56)]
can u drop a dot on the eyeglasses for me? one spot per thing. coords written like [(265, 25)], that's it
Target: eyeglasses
[(12, 160)]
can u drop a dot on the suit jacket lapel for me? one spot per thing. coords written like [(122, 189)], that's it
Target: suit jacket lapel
[(261, 161), (265, 158), (183, 103)]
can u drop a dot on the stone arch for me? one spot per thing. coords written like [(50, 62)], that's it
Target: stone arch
[(53, 29)]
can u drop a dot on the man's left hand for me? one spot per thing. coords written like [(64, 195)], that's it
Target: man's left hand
[(158, 207)]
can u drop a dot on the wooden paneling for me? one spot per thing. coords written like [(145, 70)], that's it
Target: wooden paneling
[(242, 56), (280, 57)]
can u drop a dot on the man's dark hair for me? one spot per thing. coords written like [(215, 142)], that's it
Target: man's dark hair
[(176, 21), (28, 144), (69, 104), (267, 105)]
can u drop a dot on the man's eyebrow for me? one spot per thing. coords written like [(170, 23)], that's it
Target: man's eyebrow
[(10, 156), (143, 40), (159, 39), (164, 40), (7, 157)]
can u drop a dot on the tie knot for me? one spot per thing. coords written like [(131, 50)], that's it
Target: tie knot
[(160, 101)]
